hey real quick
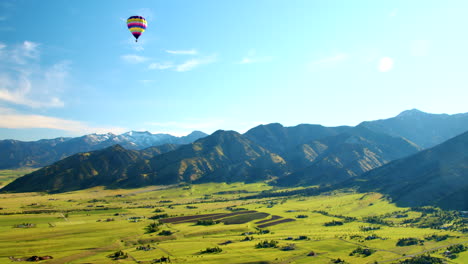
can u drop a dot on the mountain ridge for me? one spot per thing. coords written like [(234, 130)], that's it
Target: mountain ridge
[(15, 153)]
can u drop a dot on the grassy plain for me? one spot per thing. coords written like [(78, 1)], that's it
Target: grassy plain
[(7, 176), (86, 226)]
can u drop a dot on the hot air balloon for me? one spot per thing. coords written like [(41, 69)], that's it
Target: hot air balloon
[(136, 25)]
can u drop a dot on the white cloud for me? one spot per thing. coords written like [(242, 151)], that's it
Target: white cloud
[(138, 47), (11, 119), (131, 58), (247, 60), (24, 53), (193, 63), (160, 66), (253, 58), (183, 52), (24, 82), (385, 64)]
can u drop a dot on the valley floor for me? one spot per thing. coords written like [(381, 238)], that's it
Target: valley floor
[(87, 226)]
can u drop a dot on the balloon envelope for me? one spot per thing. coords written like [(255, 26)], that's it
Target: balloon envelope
[(136, 25)]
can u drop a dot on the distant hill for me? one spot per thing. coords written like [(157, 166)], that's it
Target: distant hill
[(281, 140), (424, 129), (114, 166), (224, 156), (436, 176), (286, 156), (16, 154), (348, 155)]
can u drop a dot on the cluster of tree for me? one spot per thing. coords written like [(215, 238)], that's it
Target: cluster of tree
[(248, 238), (423, 259), (372, 237), (165, 233), (311, 191), (262, 231), (145, 248), (158, 210), (369, 228), (302, 216), (118, 255), (207, 222), (267, 244), (235, 209), (333, 223), (158, 216), (437, 238), (298, 238), (338, 261), (152, 228), (452, 251), (378, 219), (362, 252), (432, 217), (212, 250), (345, 218), (408, 241), (289, 247)]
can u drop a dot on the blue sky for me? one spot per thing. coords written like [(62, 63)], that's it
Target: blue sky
[(69, 68)]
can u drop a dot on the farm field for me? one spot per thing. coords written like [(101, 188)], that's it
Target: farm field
[(217, 223), (7, 176)]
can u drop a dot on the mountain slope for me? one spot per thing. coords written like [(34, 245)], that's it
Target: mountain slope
[(222, 156), (436, 176), (424, 129), (80, 171), (280, 139), (348, 155)]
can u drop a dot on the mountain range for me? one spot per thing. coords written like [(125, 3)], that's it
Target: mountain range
[(435, 176), (363, 156), (16, 154)]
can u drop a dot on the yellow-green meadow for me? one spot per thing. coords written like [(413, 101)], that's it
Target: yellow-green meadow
[(89, 225)]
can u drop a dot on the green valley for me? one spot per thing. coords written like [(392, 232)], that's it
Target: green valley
[(88, 226)]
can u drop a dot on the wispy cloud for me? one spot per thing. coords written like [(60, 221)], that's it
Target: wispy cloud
[(132, 58), (183, 52), (22, 53), (11, 119), (24, 82), (185, 127), (146, 82), (160, 66), (328, 61), (331, 59), (193, 63), (252, 57)]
